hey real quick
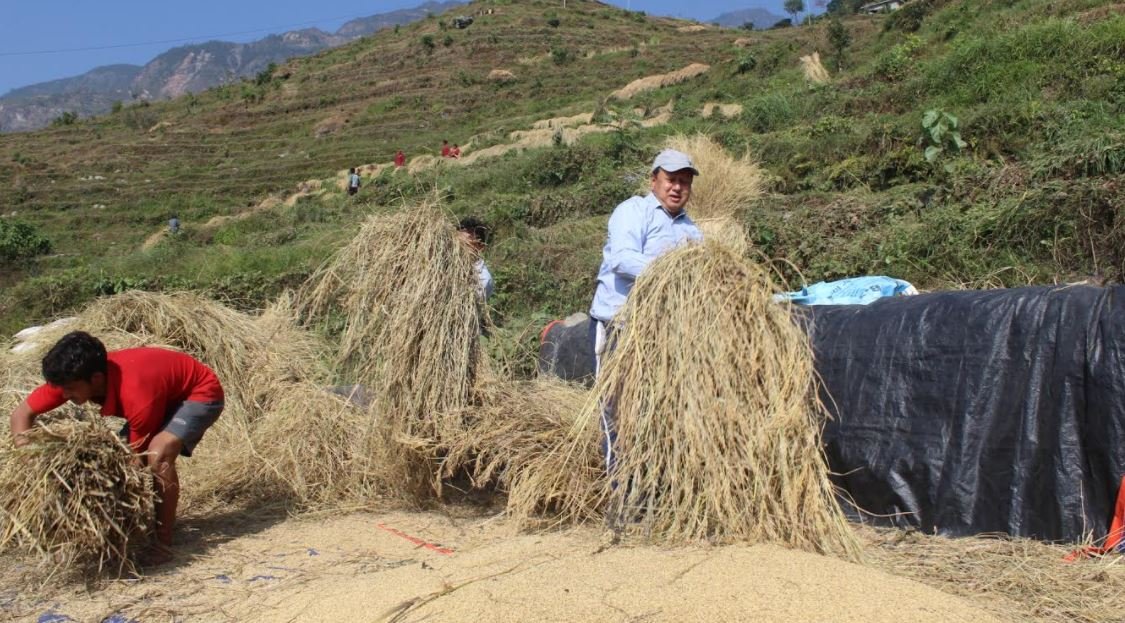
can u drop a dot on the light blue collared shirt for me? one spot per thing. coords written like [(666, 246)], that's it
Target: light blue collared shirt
[(639, 232), (486, 285)]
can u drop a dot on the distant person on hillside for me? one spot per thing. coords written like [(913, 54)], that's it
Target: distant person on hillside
[(455, 152), (174, 225), (476, 235), (353, 181), (445, 148), (168, 400), (400, 159)]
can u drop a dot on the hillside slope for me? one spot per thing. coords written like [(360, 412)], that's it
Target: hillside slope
[(1032, 196)]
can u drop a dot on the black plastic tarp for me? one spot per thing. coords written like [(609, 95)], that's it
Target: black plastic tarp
[(978, 411), (566, 350)]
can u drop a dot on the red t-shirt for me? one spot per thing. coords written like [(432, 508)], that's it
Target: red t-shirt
[(445, 151), (141, 383)]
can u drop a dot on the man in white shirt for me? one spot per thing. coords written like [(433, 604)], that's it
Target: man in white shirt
[(641, 229)]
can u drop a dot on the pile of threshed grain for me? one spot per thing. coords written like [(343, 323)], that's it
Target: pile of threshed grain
[(73, 495), (407, 297), (718, 421)]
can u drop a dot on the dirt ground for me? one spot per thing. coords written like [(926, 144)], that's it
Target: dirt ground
[(363, 566)]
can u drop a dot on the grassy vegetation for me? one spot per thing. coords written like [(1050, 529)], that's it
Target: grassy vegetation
[(1038, 90)]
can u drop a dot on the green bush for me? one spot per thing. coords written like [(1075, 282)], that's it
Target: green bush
[(67, 118), (909, 18), (745, 63), (561, 56), (894, 64), (21, 241)]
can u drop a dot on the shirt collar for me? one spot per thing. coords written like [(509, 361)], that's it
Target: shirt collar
[(655, 203)]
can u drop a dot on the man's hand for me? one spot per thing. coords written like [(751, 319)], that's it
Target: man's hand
[(21, 420)]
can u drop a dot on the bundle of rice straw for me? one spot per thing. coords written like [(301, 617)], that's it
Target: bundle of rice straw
[(516, 423), (300, 451), (407, 294), (814, 70), (73, 495), (718, 420), (299, 445)]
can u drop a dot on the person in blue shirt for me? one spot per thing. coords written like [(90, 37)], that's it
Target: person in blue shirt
[(353, 181), (476, 234), (641, 229)]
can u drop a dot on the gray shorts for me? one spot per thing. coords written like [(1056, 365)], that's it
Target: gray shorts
[(188, 421)]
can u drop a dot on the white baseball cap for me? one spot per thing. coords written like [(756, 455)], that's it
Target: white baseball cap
[(671, 161)]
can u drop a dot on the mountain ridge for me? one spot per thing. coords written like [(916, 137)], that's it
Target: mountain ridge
[(185, 69)]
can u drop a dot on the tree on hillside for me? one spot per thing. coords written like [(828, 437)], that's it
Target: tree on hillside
[(838, 39), (794, 8), (747, 25)]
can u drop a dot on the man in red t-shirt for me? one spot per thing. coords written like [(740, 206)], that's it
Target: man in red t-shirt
[(400, 159), (167, 398), (445, 148)]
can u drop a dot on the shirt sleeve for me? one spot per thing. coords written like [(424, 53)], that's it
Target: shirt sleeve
[(626, 243), (45, 398), (486, 281)]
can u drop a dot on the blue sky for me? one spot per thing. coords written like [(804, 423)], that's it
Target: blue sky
[(64, 25)]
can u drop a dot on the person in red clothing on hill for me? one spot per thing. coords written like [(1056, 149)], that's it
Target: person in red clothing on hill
[(400, 159), (168, 400), (445, 148)]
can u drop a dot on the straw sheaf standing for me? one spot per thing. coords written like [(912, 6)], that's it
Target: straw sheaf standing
[(408, 297), (718, 421)]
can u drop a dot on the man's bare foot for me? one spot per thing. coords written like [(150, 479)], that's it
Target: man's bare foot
[(157, 554)]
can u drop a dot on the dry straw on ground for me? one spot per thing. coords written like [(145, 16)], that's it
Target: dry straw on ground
[(650, 83), (514, 424), (74, 496), (728, 111), (725, 185), (247, 355), (718, 421), (501, 75), (814, 71), (563, 122), (1018, 579)]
